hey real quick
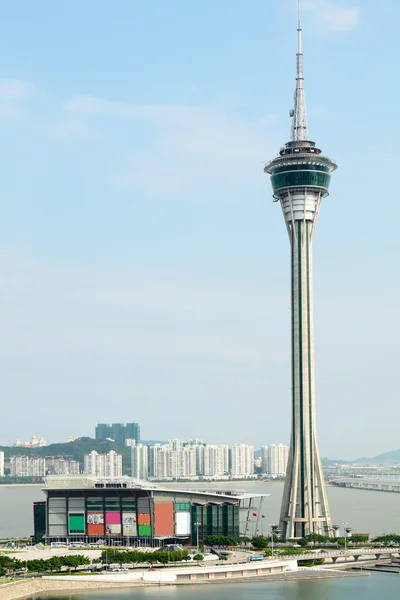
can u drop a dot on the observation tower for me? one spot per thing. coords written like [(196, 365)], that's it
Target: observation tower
[(300, 178)]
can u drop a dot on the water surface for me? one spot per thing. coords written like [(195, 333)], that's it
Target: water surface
[(376, 587)]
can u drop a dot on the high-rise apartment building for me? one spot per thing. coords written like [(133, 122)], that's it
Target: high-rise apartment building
[(118, 432), (242, 460), (132, 432), (215, 460), (274, 459), (61, 466), (103, 465), (103, 431), (27, 466), (140, 461), (1, 463)]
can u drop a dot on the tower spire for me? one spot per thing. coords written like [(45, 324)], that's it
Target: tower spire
[(299, 123)]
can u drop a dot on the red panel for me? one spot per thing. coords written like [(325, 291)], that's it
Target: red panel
[(164, 518), (143, 519), (95, 529)]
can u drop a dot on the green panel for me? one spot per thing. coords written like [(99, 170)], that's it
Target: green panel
[(94, 504), (300, 167), (144, 529), (199, 515), (129, 504), (236, 532), (77, 523), (212, 519), (112, 504), (300, 178), (182, 506), (230, 520)]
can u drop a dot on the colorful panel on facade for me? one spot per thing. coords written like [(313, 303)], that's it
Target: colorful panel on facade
[(182, 523), (164, 518), (95, 518), (113, 529), (93, 529), (76, 523), (113, 518), (95, 523), (144, 530), (143, 519), (129, 524)]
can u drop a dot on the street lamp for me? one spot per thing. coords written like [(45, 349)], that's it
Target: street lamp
[(346, 532), (197, 525), (274, 529)]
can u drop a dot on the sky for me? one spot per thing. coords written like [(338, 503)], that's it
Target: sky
[(144, 268)]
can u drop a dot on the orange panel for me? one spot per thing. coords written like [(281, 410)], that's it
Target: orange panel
[(164, 518), (95, 529), (143, 519)]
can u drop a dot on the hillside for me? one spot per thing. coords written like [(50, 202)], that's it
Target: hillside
[(74, 450), (387, 458), (392, 457)]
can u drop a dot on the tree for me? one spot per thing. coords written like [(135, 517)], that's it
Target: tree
[(244, 540), (198, 557), (54, 563), (260, 542), (185, 555)]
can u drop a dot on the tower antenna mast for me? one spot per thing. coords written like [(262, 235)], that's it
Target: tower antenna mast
[(299, 123)]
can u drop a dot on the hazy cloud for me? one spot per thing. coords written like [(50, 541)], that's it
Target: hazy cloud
[(333, 16), (188, 148), (12, 93), (68, 129)]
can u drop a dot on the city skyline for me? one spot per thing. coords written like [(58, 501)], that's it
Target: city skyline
[(142, 265)]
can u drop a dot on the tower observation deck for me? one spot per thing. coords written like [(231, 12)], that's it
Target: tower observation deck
[(300, 177)]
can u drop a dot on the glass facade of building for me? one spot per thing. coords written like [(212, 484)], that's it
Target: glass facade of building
[(300, 176), (118, 432), (39, 521)]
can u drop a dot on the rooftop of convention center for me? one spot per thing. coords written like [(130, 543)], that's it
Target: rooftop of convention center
[(85, 482)]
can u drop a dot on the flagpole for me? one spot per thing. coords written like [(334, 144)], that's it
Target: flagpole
[(258, 516)]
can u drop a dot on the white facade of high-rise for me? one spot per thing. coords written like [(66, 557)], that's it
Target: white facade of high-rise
[(140, 461), (275, 459), (61, 466), (27, 466), (1, 463), (103, 465), (215, 460), (158, 461), (242, 460)]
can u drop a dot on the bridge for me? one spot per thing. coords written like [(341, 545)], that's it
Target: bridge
[(377, 484), (355, 553)]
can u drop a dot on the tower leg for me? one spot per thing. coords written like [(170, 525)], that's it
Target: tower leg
[(305, 507)]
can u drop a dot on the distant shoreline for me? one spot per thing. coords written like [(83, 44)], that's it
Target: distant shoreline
[(166, 483), (11, 485)]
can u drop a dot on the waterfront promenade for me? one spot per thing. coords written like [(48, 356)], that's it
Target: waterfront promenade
[(32, 587)]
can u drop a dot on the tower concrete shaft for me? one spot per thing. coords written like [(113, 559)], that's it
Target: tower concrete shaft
[(300, 178)]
